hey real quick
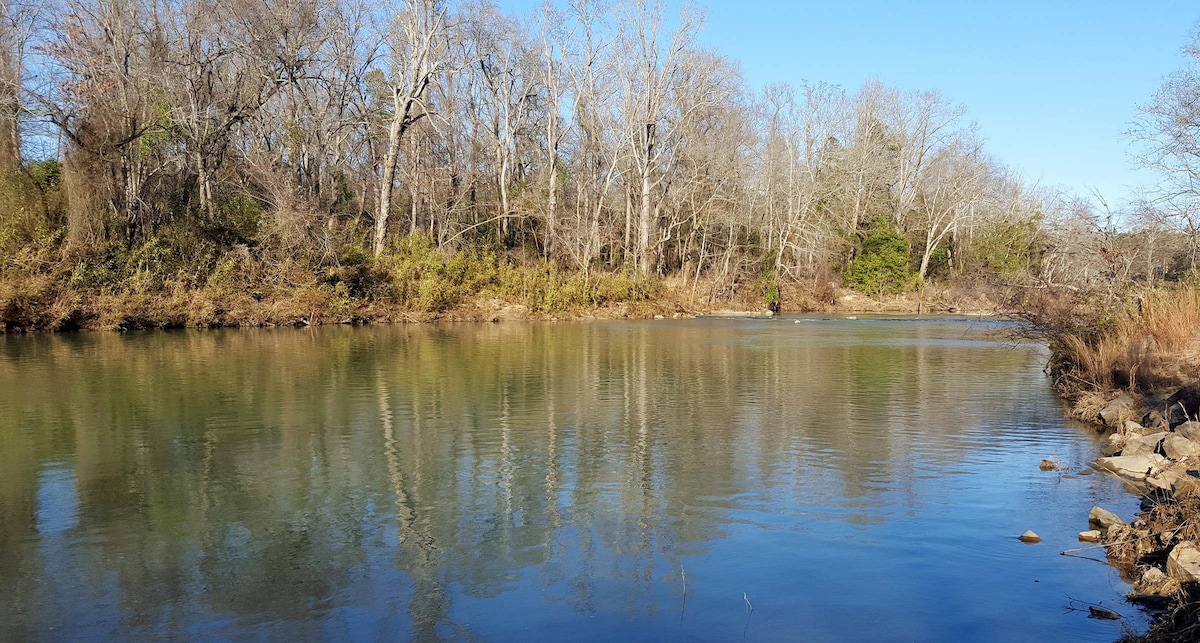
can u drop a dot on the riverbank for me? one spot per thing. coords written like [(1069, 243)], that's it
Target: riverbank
[(1132, 370), (1152, 444), (45, 305)]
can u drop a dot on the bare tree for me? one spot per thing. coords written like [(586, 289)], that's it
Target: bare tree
[(1167, 130), (20, 22), (651, 61), (417, 50), (952, 187)]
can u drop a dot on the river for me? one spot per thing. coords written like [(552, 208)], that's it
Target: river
[(763, 480)]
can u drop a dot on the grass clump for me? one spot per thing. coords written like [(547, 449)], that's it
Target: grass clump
[(1148, 340)]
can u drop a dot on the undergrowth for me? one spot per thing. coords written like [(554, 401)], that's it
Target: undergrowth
[(1142, 341)]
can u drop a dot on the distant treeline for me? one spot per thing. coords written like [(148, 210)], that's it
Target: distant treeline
[(155, 145)]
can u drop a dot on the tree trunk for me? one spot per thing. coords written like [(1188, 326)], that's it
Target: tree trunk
[(643, 242), (389, 174)]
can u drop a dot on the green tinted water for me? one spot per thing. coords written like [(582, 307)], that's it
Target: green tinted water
[(849, 480)]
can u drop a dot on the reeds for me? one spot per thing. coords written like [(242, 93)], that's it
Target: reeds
[(1151, 340)]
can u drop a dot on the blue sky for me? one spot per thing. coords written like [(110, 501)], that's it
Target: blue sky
[(1052, 84)]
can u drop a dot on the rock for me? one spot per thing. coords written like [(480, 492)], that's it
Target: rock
[(1187, 398), (1029, 537), (1169, 475), (1049, 465), (1113, 444), (1189, 430), (1183, 563), (1187, 487), (1117, 411), (1144, 444), (1134, 468), (1155, 421), (1178, 447), (1092, 536), (1100, 612), (1163, 482), (1103, 519), (1153, 576), (1133, 428)]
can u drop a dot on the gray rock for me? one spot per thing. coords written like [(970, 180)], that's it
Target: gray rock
[(1183, 563), (1187, 487), (1109, 450), (1103, 519), (1118, 410), (1189, 430), (1133, 428), (1029, 537), (1134, 468), (1162, 481), (1177, 447), (1092, 536), (1113, 444), (1153, 576), (1144, 444)]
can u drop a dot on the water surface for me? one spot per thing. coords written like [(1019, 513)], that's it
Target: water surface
[(849, 480)]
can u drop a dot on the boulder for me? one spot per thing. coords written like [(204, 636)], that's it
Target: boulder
[(1133, 468), (1092, 536), (1163, 481), (1183, 563), (1118, 410), (1103, 519), (1189, 430), (1029, 537), (1113, 444), (1187, 487), (1144, 444), (1133, 428), (1178, 447)]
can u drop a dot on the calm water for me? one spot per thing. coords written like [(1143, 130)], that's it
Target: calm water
[(850, 480)]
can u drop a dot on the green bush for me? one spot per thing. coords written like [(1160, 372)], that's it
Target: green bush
[(425, 279), (881, 266), (1012, 251), (768, 285), (624, 286)]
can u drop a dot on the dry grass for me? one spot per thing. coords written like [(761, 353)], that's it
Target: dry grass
[(1181, 624), (1154, 532), (1153, 341)]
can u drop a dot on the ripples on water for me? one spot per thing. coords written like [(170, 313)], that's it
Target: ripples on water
[(851, 480)]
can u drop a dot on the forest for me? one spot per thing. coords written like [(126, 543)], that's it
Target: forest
[(226, 162)]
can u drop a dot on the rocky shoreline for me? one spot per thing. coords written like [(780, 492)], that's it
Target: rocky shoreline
[(1152, 445)]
